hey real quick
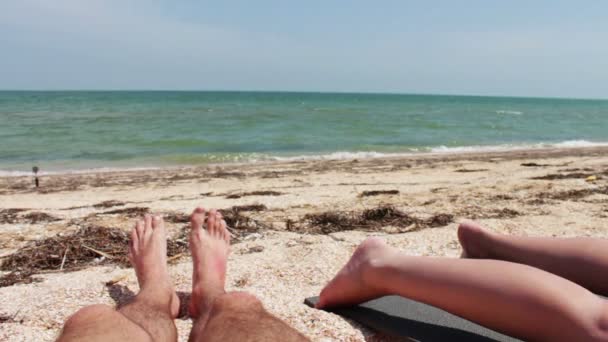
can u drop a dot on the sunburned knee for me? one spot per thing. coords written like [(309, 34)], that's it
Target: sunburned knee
[(87, 315)]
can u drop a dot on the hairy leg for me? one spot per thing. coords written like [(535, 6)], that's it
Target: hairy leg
[(221, 316), (150, 316), (581, 260), (534, 304)]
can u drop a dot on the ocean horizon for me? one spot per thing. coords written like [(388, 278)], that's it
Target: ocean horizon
[(62, 131)]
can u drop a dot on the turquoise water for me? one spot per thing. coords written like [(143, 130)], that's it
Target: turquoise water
[(79, 130)]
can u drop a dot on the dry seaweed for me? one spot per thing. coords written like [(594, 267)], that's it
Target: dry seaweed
[(475, 212), (17, 277), (176, 217), (108, 204), (573, 195), (439, 220), (10, 215), (534, 165), (370, 219), (502, 197), (129, 212), (226, 174), (36, 216), (240, 225), (89, 245), (250, 207), (254, 193), (378, 192), (558, 176)]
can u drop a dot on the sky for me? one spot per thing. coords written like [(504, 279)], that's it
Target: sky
[(546, 48)]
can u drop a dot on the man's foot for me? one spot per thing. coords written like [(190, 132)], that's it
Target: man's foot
[(210, 248), (148, 255), (474, 240), (357, 280)]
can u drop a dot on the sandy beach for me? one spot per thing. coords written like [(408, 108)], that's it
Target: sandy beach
[(288, 241)]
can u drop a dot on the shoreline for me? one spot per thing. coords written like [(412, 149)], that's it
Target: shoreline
[(518, 153)]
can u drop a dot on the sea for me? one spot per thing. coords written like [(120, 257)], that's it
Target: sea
[(73, 131)]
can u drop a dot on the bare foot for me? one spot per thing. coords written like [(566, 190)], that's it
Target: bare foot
[(355, 283), (474, 240), (148, 255), (210, 248)]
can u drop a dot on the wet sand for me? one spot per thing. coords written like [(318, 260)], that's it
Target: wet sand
[(293, 242)]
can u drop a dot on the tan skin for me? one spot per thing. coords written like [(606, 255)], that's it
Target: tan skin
[(539, 284), (217, 315)]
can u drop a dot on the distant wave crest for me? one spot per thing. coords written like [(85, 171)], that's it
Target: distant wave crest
[(509, 112)]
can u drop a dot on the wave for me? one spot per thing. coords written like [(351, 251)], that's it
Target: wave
[(509, 112), (337, 155)]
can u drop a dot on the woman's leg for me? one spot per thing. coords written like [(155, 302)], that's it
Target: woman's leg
[(515, 299), (581, 260)]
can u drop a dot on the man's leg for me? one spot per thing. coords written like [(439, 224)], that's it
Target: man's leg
[(150, 316), (516, 299), (221, 316), (581, 260)]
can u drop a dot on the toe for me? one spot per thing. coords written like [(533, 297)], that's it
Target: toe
[(139, 229), (133, 243), (197, 218), (158, 224), (211, 220), (147, 226)]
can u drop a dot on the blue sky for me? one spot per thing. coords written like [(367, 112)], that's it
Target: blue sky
[(520, 48)]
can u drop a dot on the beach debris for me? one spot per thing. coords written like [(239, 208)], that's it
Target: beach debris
[(108, 204), (592, 178), (242, 281), (476, 212), (92, 245), (129, 212), (378, 192), (36, 216), (557, 176), (534, 165), (254, 193), (253, 249), (18, 277), (226, 174), (10, 215), (240, 225), (250, 207), (503, 197), (575, 194), (369, 219), (80, 248), (176, 217)]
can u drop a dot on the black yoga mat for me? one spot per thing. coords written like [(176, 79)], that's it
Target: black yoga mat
[(402, 317)]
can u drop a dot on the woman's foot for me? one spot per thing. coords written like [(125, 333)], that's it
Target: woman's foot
[(148, 255), (475, 240), (210, 248), (358, 281)]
